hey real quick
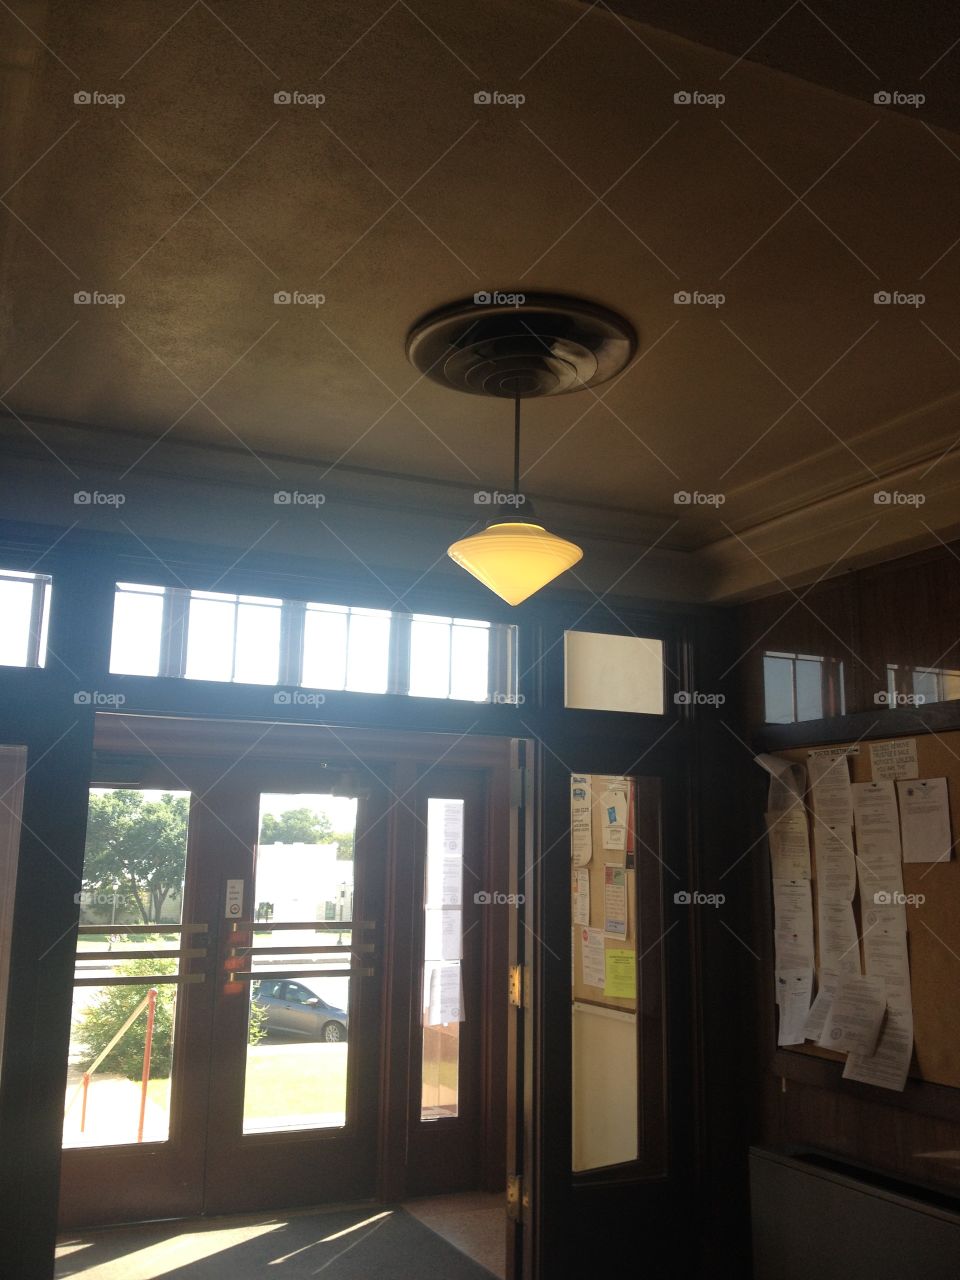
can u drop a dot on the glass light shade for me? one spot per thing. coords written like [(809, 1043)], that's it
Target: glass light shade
[(515, 559)]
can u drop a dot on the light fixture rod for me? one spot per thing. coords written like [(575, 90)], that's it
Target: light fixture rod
[(516, 444)]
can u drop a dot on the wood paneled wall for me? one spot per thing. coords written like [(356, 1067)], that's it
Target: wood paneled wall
[(905, 612)]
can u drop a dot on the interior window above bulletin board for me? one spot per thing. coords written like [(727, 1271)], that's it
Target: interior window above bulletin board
[(866, 906)]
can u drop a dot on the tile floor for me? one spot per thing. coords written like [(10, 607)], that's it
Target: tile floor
[(473, 1222)]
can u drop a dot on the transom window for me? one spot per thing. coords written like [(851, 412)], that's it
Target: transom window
[(801, 686), (209, 635), (919, 685), (25, 609)]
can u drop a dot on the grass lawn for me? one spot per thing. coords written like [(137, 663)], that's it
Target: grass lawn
[(295, 1079)]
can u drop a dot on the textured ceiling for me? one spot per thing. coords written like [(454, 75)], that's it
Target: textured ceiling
[(200, 197)]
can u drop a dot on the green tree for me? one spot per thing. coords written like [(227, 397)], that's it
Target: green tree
[(106, 1014), (344, 846), (136, 847), (257, 1023), (104, 1017), (296, 826)]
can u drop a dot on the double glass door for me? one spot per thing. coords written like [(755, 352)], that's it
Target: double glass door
[(225, 1042), (257, 1022)]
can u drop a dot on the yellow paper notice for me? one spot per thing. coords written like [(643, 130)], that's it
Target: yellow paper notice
[(621, 973)]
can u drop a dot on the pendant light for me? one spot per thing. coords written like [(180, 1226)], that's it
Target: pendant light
[(512, 345), (515, 556)]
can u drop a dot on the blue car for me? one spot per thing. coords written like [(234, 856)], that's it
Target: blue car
[(292, 1008)]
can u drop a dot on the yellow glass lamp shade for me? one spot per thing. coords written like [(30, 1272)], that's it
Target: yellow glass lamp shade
[(515, 559)]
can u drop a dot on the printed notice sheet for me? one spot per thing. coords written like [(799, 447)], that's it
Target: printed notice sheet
[(789, 844), (621, 973), (877, 823), (443, 993), (856, 1015), (614, 901), (581, 821), (830, 790), (817, 1017), (839, 942), (593, 968), (794, 989), (886, 956), (793, 924), (925, 820), (581, 896), (443, 934), (898, 759), (613, 814), (836, 862), (788, 782)]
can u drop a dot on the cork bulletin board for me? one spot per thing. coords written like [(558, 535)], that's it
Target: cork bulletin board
[(601, 783), (933, 925)]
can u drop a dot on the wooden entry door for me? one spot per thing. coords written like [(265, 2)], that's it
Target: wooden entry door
[(260, 1101), (297, 1064)]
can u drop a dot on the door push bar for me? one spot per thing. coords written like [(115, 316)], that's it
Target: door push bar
[(239, 949), (149, 953)]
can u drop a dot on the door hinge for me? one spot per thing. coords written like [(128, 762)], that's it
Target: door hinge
[(516, 1200), (515, 985)]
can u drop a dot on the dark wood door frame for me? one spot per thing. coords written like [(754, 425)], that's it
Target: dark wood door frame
[(489, 828), (157, 751)]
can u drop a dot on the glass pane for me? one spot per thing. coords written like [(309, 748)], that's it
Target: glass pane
[(324, 649), (16, 601), (613, 673), (121, 1046), (469, 663), (210, 636), (612, 923), (809, 689), (368, 650), (137, 629), (442, 950), (20, 594), (926, 686), (258, 644), (298, 1050), (778, 689), (430, 658)]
